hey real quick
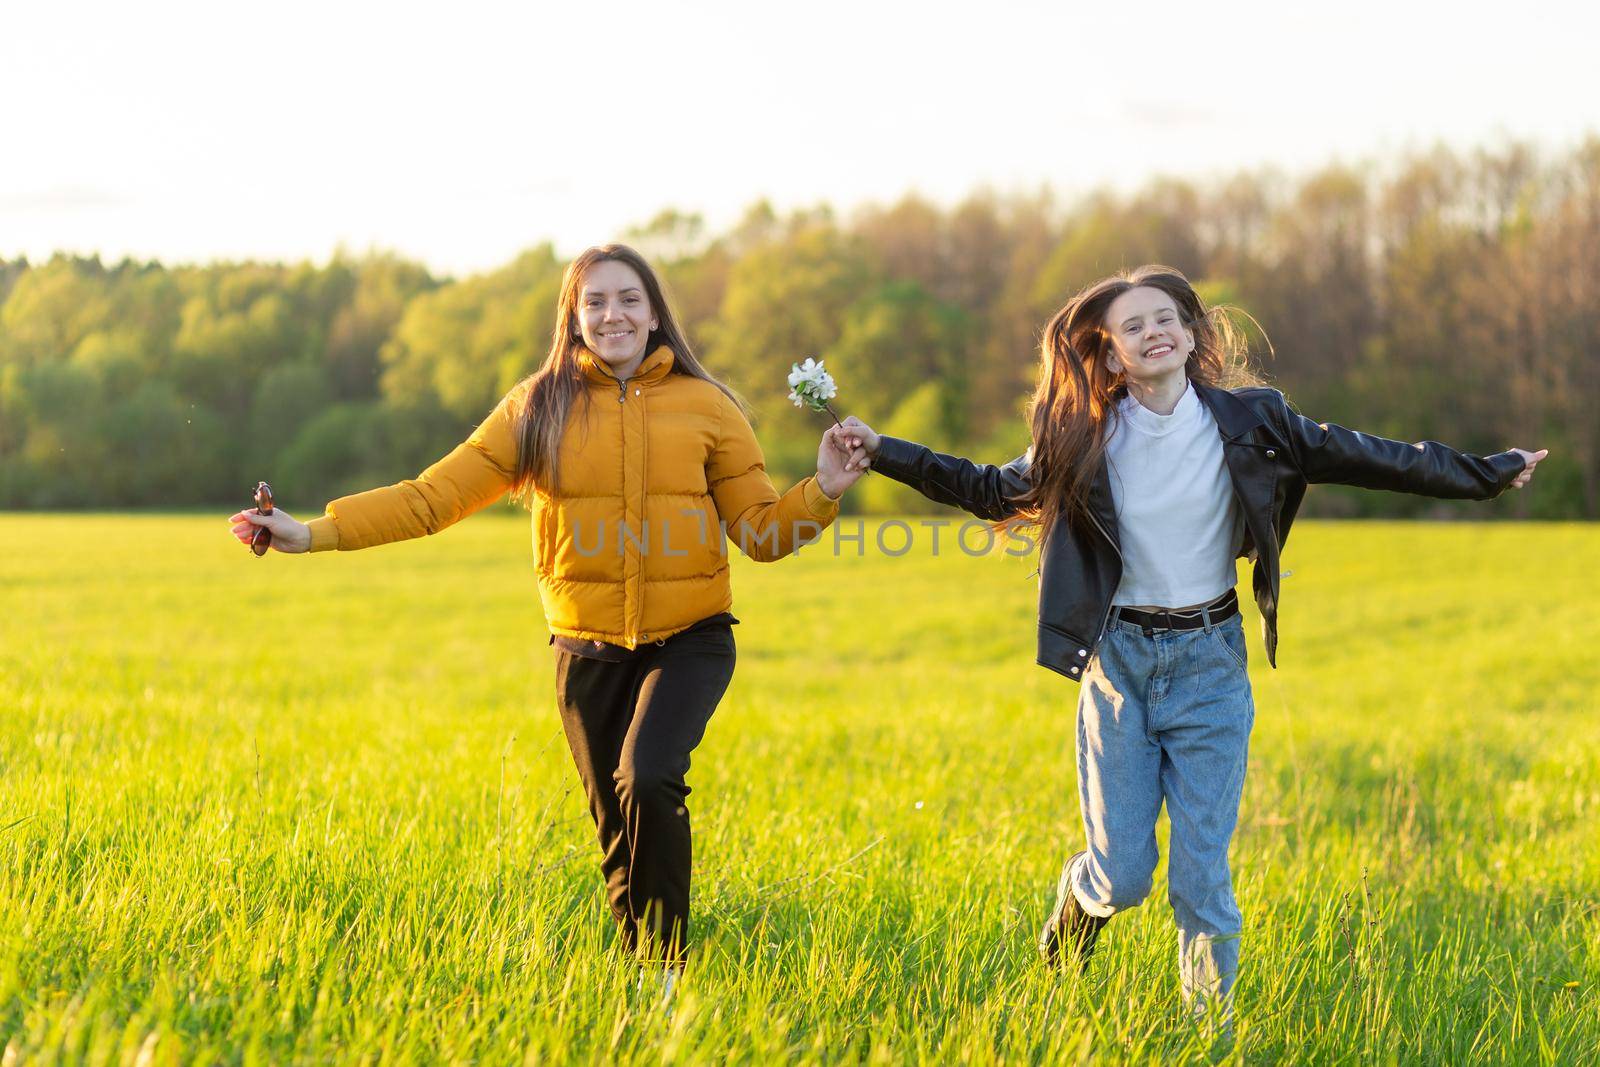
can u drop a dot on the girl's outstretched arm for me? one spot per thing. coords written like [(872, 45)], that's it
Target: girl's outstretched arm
[(985, 490), (1530, 460), (1328, 453)]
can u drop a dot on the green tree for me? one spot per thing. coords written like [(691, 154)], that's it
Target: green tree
[(894, 343), (467, 343), (51, 309), (359, 328), (786, 302)]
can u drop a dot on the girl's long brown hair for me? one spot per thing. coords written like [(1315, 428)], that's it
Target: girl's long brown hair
[(558, 385), (1077, 394)]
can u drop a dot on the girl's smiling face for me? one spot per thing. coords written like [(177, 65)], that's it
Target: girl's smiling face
[(614, 315), (1149, 341)]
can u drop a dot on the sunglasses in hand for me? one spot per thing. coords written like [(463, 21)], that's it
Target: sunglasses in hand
[(261, 540)]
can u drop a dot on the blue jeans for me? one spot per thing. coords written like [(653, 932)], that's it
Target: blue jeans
[(1166, 717)]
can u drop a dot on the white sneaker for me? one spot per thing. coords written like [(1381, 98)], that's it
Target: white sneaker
[(660, 983), (669, 986)]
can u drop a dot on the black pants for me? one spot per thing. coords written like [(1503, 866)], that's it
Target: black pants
[(631, 727)]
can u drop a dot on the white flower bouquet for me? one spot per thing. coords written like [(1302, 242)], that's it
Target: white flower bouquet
[(810, 385)]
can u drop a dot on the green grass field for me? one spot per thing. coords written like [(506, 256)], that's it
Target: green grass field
[(318, 810)]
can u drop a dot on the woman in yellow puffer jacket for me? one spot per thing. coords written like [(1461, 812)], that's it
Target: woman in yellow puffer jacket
[(638, 465)]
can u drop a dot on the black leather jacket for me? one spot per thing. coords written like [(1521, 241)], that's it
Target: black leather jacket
[(1272, 453)]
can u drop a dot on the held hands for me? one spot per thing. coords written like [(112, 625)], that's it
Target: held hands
[(858, 441), (843, 455), (1530, 460), (834, 476), (287, 534)]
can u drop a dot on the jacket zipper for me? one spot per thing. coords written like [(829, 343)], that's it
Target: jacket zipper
[(622, 435), (1106, 621)]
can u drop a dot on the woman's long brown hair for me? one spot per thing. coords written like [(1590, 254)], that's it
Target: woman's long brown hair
[(1077, 394), (558, 385)]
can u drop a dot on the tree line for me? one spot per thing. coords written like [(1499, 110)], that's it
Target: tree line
[(1450, 295)]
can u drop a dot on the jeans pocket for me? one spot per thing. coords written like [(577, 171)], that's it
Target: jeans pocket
[(1230, 636)]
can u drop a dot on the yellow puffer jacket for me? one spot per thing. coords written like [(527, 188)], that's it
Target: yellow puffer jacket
[(630, 548)]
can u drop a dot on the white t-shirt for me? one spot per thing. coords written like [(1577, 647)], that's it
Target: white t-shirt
[(1177, 518)]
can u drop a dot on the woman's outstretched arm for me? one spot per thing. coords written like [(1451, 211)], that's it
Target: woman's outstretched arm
[(475, 474), (987, 491)]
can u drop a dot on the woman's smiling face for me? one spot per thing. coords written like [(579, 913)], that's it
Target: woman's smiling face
[(614, 315)]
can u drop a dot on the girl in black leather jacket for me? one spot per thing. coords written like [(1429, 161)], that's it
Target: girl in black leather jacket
[(1156, 461)]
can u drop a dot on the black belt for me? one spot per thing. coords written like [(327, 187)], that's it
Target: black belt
[(1221, 609)]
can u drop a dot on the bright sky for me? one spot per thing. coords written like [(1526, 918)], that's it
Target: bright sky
[(460, 133)]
